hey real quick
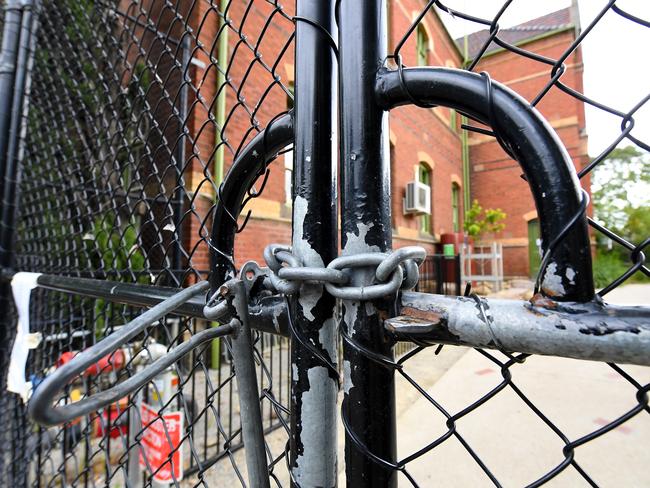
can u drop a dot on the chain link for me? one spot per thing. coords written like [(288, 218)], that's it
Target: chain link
[(393, 271)]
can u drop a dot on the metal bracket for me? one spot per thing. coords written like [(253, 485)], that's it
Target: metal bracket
[(403, 324)]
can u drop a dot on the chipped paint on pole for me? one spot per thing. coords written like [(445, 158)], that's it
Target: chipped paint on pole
[(542, 326), (314, 381), (369, 395)]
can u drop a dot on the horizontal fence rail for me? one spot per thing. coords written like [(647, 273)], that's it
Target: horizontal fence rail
[(151, 152)]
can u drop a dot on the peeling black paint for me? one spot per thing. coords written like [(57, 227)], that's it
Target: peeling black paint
[(603, 329), (545, 162), (369, 405), (312, 457)]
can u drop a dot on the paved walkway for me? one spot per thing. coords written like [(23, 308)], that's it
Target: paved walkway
[(635, 294), (578, 396)]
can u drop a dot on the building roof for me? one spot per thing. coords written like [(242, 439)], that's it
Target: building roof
[(517, 34)]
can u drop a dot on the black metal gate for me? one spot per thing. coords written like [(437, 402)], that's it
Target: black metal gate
[(118, 121)]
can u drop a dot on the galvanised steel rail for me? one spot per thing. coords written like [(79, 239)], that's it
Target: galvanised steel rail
[(269, 313), (233, 293), (593, 331), (540, 326)]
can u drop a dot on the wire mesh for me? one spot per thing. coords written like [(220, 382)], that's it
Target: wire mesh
[(440, 274), (491, 423), (136, 110)]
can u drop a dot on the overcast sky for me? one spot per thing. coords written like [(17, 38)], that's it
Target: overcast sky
[(616, 57)]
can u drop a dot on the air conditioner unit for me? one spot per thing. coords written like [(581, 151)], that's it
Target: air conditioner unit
[(418, 198)]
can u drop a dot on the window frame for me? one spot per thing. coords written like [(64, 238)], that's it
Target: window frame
[(425, 176), (422, 46), (455, 207)]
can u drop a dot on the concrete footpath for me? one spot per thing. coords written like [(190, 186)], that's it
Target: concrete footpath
[(577, 396)]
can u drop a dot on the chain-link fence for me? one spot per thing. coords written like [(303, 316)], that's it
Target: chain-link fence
[(484, 429), (136, 110), (127, 117)]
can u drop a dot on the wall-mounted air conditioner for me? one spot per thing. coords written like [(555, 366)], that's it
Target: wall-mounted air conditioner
[(417, 199)]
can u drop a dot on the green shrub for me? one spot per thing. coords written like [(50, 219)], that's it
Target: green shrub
[(610, 265)]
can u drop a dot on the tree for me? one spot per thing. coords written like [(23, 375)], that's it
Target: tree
[(638, 224), (621, 196), (621, 192), (479, 221)]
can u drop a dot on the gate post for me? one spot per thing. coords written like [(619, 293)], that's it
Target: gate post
[(369, 392), (16, 58), (314, 380)]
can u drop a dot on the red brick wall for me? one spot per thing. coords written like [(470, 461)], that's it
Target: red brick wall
[(250, 105), (492, 168), (418, 134), (416, 130), (258, 234)]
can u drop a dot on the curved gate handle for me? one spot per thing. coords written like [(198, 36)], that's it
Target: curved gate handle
[(545, 162), (40, 407)]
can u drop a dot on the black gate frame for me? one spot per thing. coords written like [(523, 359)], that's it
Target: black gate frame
[(368, 89)]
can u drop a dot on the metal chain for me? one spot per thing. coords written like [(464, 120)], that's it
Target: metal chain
[(393, 271)]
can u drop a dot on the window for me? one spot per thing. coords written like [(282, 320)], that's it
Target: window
[(424, 176), (455, 207), (422, 46)]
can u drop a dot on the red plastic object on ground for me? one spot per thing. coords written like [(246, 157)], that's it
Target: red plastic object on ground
[(111, 362)]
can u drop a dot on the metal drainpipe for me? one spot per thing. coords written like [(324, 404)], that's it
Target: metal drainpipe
[(369, 390), (222, 62), (464, 141), (15, 66), (219, 156), (314, 383), (8, 53)]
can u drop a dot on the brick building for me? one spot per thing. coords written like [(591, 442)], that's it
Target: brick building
[(427, 145), (491, 168)]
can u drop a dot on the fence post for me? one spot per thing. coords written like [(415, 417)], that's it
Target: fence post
[(314, 382), (440, 274), (458, 271), (369, 390), (16, 57), (11, 151), (8, 52)]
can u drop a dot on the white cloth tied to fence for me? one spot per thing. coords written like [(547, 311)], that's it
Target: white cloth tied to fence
[(22, 285)]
